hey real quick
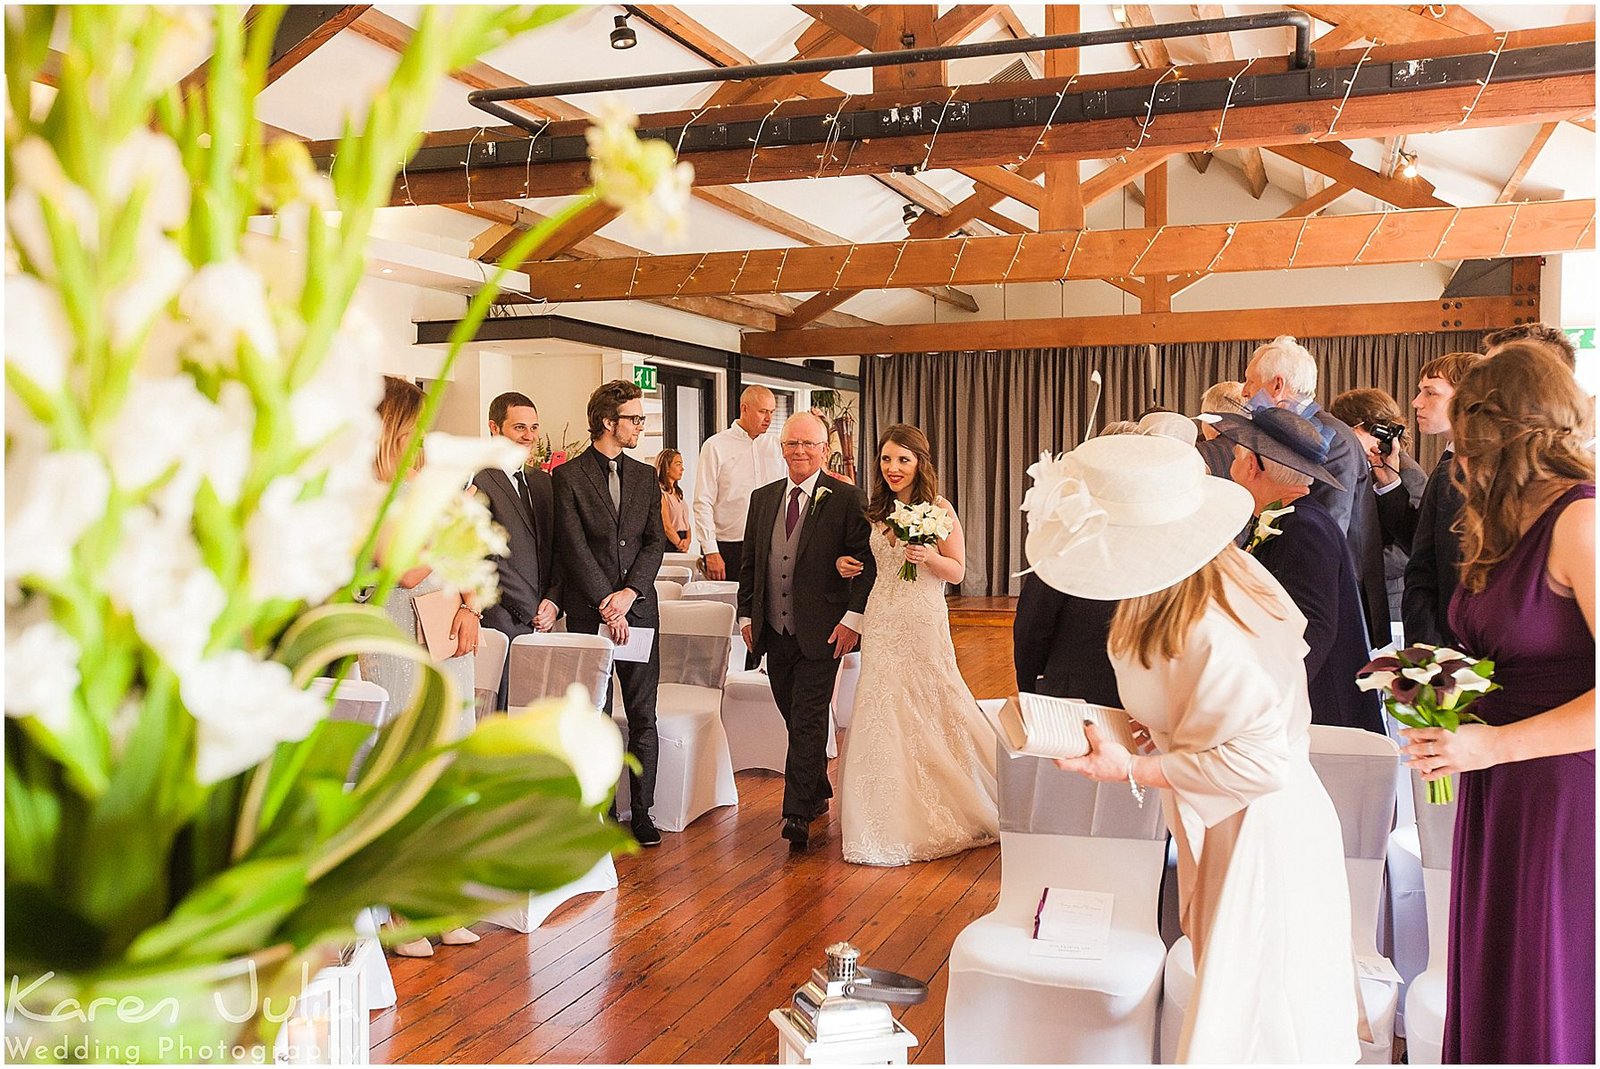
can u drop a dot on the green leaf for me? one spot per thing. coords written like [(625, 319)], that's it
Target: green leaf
[(232, 914), (1400, 713)]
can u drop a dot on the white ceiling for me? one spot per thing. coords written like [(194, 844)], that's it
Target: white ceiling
[(1467, 167)]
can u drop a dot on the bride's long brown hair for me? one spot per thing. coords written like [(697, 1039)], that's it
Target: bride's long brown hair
[(1520, 422), (924, 485)]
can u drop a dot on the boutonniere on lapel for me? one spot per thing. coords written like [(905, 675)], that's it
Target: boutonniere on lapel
[(1264, 531), (817, 498)]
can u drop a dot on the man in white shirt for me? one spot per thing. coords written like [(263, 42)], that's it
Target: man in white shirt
[(732, 464)]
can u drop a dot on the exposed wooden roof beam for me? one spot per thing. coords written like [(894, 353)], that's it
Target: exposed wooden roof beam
[(758, 311), (1310, 206), (1514, 184), (1218, 47), (303, 31), (813, 307), (1006, 181), (1153, 55), (755, 210), (1470, 313), (1386, 24), (1401, 236), (1064, 204), (1337, 165), (685, 28)]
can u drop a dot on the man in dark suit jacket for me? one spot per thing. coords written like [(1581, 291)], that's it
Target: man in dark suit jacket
[(609, 544), (1310, 558), (523, 502), (1059, 644), (1434, 568), (797, 610)]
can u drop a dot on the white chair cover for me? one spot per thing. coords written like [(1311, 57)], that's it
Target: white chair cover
[(359, 701), (544, 666), (1357, 769), (694, 772), (844, 690), (1404, 925), (489, 666), (757, 735), (712, 590), (675, 574), (690, 561), (1425, 996), (667, 590), (368, 955), (1007, 1004)]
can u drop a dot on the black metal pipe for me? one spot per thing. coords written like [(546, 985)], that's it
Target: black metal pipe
[(487, 99)]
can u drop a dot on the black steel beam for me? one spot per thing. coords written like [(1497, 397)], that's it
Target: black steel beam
[(1164, 98)]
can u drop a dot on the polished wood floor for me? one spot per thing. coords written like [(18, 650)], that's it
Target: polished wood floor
[(705, 935)]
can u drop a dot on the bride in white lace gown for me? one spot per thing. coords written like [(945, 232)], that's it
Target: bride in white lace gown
[(918, 778)]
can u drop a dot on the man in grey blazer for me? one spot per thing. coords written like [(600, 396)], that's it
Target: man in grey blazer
[(609, 545), (523, 502), (795, 608)]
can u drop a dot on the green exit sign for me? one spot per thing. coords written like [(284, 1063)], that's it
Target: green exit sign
[(644, 377), (1582, 337)]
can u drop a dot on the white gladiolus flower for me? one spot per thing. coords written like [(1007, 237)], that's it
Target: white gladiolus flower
[(226, 303), (38, 338), (345, 388), (163, 271), (51, 499), (173, 423), (39, 178), (452, 461), (151, 161), (186, 42), (302, 550), (568, 728), (243, 708), (459, 551), (642, 178), (157, 576), (41, 667)]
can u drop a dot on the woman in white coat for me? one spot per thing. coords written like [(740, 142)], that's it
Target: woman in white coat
[(1207, 650)]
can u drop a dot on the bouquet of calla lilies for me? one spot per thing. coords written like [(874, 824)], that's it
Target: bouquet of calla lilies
[(919, 525), (1430, 687)]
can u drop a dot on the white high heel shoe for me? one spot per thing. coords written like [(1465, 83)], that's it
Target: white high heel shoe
[(417, 948), (457, 937)]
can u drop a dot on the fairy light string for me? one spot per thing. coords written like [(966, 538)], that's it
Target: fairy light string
[(939, 125), (1149, 109), (1466, 113), (1227, 102), (1338, 112), (467, 163), (1447, 228)]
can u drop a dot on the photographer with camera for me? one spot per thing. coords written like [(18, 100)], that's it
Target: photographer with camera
[(1397, 479)]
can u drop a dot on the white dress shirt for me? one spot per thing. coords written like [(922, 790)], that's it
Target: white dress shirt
[(732, 465), (852, 619)]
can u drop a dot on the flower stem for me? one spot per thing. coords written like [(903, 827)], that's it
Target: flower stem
[(1442, 791), (908, 572)]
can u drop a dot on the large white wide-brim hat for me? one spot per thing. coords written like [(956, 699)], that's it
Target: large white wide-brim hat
[(1128, 515)]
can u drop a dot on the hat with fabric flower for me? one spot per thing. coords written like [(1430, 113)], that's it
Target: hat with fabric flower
[(1128, 515)]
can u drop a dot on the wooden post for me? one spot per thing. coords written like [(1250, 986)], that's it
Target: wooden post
[(894, 22), (1063, 197)]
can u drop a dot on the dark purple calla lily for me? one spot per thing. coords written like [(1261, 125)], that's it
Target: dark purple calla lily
[(1381, 664), (1416, 655), (1405, 689)]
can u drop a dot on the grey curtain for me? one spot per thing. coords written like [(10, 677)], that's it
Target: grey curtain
[(990, 414)]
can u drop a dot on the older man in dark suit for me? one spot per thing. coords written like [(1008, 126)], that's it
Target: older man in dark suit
[(1285, 372), (796, 609), (1277, 457), (609, 545)]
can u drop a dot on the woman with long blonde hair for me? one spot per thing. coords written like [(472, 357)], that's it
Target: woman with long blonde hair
[(1208, 654), (398, 413), (1520, 985)]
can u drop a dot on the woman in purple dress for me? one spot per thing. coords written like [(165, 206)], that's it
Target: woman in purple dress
[(1521, 971)]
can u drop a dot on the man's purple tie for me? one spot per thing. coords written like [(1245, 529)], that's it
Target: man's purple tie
[(793, 516)]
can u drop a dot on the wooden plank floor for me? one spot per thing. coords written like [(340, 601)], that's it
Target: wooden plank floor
[(704, 936)]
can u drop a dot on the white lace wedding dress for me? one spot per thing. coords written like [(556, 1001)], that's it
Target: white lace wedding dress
[(918, 778)]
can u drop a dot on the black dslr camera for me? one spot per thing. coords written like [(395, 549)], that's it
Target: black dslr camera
[(1387, 434)]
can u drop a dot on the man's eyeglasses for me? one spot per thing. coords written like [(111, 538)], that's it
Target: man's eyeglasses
[(795, 443), (637, 421)]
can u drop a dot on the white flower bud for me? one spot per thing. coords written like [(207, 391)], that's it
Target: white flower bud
[(41, 667), (243, 708), (51, 500), (38, 338)]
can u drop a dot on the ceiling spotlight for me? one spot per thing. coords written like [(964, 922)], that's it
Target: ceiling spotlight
[(909, 215), (623, 36), (1408, 165)]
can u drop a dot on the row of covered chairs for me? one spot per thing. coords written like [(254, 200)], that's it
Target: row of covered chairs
[(1006, 1002)]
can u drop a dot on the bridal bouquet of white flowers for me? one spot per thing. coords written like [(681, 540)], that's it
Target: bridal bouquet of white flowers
[(190, 515), (919, 525)]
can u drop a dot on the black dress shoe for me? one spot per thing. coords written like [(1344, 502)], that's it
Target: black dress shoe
[(645, 833), (797, 831)]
